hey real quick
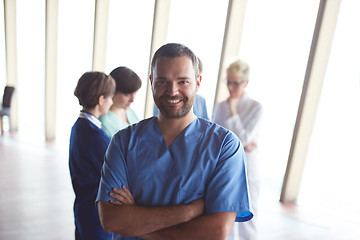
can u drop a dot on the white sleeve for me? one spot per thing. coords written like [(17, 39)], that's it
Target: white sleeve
[(246, 132)]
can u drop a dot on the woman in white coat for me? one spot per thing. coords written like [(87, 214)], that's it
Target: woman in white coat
[(242, 115)]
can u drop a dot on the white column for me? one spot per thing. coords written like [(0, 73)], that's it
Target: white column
[(231, 43), (100, 35), (314, 77), (159, 36), (11, 55), (51, 40)]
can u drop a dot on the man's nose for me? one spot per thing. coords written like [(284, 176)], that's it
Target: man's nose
[(172, 89)]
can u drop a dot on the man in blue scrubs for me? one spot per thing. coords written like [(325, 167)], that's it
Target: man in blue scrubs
[(173, 176)]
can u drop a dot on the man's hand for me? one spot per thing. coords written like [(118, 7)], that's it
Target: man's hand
[(190, 223), (122, 216), (122, 197), (208, 226)]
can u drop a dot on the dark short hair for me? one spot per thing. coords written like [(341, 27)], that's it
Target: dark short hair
[(91, 86), (200, 65), (174, 50), (127, 81)]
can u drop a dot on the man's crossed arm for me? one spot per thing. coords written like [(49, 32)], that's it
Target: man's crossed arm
[(186, 221)]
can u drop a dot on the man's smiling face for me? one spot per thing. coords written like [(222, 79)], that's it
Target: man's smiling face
[(174, 86)]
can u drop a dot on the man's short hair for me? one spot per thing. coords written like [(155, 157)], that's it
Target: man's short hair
[(174, 50), (200, 66)]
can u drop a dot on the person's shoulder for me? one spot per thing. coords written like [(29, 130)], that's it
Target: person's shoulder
[(89, 132), (217, 133), (255, 102), (200, 98), (109, 123), (105, 116), (214, 128), (252, 101), (83, 124), (219, 106), (143, 123), (108, 116), (131, 115), (255, 106), (130, 110), (136, 127), (221, 103), (131, 134)]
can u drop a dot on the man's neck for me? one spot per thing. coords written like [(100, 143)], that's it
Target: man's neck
[(172, 127)]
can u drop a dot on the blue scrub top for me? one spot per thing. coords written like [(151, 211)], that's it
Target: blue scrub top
[(204, 161)]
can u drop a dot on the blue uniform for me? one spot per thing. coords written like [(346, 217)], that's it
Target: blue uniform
[(199, 108), (88, 144), (204, 161)]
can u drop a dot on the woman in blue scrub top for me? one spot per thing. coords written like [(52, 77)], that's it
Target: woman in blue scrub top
[(88, 143)]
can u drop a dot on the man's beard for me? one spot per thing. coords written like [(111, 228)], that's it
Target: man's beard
[(168, 112)]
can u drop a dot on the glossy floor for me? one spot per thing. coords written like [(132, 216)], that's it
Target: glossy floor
[(36, 200)]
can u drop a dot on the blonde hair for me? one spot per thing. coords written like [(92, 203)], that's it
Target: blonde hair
[(239, 68)]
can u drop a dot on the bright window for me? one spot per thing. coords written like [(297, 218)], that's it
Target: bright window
[(2, 49), (331, 180), (200, 26), (75, 49), (129, 41), (276, 43), (30, 63)]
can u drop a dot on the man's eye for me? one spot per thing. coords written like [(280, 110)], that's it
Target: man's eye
[(183, 82), (161, 82)]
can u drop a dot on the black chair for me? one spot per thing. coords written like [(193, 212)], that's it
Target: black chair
[(5, 106)]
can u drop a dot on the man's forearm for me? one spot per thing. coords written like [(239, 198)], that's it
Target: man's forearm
[(210, 226), (131, 220)]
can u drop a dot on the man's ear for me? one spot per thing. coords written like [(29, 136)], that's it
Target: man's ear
[(150, 78), (198, 81)]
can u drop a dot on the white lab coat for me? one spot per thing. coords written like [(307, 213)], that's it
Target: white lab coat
[(246, 125)]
